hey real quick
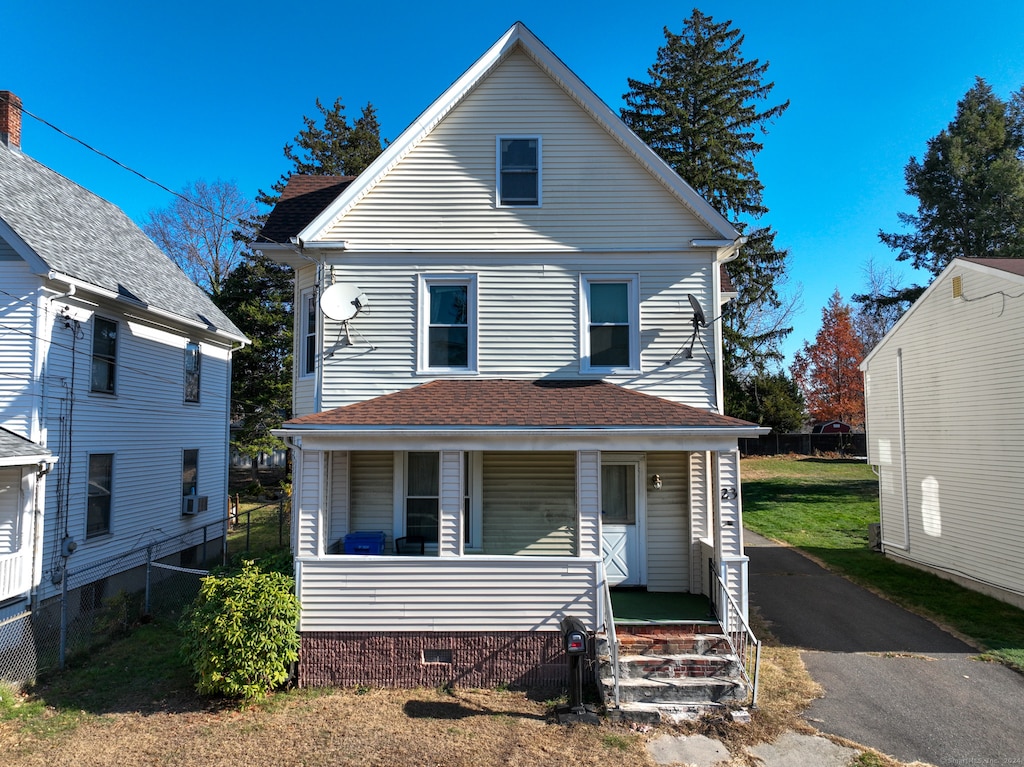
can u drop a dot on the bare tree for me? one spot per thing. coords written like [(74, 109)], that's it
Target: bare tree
[(198, 231), (881, 306)]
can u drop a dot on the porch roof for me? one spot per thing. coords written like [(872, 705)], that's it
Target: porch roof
[(506, 408), (18, 451)]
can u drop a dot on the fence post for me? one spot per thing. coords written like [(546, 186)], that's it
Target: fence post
[(62, 652), (149, 575), (280, 523), (248, 528)]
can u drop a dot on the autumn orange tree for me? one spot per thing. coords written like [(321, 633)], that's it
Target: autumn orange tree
[(827, 371)]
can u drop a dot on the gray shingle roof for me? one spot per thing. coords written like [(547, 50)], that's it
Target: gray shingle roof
[(13, 446), (75, 232)]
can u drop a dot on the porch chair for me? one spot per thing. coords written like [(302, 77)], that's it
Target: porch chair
[(409, 544)]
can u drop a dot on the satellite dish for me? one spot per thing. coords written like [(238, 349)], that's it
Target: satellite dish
[(342, 302), (698, 313)]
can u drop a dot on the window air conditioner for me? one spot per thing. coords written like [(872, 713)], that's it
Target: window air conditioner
[(193, 504)]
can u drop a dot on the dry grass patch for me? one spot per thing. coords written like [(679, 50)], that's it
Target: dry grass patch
[(424, 728)]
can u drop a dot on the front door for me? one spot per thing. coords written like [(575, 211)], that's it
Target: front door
[(622, 521)]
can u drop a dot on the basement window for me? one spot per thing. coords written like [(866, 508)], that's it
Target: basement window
[(437, 656)]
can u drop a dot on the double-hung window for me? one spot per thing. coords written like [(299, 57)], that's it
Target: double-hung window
[(189, 472), (104, 355), (519, 176), (609, 323), (307, 331), (422, 495), (192, 363), (447, 323), (100, 494)]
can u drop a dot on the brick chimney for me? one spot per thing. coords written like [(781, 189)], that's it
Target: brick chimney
[(10, 120)]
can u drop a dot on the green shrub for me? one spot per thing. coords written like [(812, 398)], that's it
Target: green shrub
[(241, 633)]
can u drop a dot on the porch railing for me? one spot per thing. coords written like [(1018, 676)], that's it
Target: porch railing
[(741, 638), (609, 629)]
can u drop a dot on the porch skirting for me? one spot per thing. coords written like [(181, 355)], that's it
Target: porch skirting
[(519, 659)]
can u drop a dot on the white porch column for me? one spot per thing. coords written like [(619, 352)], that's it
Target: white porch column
[(449, 541), (308, 503), (729, 530), (588, 498), (701, 521)]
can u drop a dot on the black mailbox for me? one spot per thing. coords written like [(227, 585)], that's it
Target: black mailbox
[(574, 635)]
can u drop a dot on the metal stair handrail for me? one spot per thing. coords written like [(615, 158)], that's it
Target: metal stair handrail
[(744, 644), (609, 629)]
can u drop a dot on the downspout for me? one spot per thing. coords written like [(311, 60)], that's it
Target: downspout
[(727, 250), (38, 512)]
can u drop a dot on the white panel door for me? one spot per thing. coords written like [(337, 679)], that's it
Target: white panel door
[(622, 522)]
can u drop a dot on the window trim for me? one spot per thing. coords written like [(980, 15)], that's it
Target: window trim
[(473, 459), (309, 359), (197, 352), (89, 495), (425, 281), (633, 296), (110, 360), (499, 202)]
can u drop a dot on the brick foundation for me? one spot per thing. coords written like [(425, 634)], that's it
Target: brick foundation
[(521, 660)]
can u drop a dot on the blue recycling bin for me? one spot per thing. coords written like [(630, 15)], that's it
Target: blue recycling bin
[(365, 543)]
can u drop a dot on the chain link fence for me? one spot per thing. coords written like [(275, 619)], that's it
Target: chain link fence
[(104, 600)]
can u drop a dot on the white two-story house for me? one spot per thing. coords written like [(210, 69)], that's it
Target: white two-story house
[(114, 392), (498, 369)]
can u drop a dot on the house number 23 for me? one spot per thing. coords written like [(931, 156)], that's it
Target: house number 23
[(729, 494)]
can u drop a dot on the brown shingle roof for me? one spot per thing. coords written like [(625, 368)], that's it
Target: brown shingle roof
[(303, 199), (497, 403), (1011, 265)]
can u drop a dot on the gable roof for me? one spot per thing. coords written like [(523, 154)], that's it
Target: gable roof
[(518, 37), (64, 230), (1011, 269), (513, 404), (302, 200)]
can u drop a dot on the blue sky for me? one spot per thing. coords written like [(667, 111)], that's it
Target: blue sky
[(206, 90)]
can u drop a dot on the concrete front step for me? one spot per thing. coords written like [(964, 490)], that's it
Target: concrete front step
[(675, 692), (681, 666)]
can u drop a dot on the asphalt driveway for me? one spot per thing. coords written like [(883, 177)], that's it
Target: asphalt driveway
[(893, 681)]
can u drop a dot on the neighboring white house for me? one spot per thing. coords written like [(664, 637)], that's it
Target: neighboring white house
[(493, 333), (114, 388), (944, 392)]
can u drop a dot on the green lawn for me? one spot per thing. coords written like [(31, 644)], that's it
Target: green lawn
[(824, 507)]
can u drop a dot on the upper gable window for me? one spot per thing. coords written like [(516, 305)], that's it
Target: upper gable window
[(519, 171), (447, 323), (307, 332), (610, 323), (104, 355), (192, 362)]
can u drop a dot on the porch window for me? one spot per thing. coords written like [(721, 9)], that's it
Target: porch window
[(422, 498), (10, 512), (609, 323), (447, 323)]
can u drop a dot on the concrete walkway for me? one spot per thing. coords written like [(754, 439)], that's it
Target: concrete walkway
[(893, 681)]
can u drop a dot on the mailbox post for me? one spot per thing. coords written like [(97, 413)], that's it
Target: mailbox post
[(574, 642)]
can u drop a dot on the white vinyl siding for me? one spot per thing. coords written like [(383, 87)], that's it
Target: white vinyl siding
[(19, 383), (446, 593), (528, 324), (963, 384), (668, 526), (529, 503), (611, 204), (146, 426), (307, 488)]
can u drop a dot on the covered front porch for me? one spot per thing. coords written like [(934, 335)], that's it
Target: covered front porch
[(507, 529)]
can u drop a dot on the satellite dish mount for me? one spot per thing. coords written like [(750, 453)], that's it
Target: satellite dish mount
[(341, 303), (699, 321)]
